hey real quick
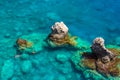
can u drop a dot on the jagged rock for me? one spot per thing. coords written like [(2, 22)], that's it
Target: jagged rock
[(98, 48), (60, 36), (59, 31)]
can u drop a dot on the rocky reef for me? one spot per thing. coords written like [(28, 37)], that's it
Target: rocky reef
[(35, 42), (99, 61), (25, 24), (96, 61)]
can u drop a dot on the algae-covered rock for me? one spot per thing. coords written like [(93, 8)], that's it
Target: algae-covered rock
[(7, 70), (26, 66), (31, 43), (68, 40), (79, 65)]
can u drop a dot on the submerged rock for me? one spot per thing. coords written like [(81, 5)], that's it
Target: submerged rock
[(32, 43), (7, 35), (26, 66), (7, 70), (24, 56), (61, 58)]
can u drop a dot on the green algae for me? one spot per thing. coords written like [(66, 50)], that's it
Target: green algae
[(67, 40)]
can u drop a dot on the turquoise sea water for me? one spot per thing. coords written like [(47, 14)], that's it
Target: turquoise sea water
[(86, 19)]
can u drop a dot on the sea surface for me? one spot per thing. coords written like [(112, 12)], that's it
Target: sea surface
[(86, 19)]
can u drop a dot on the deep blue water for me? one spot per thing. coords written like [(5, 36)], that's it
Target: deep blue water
[(86, 19)]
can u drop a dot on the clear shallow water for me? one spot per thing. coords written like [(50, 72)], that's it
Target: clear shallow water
[(86, 19)]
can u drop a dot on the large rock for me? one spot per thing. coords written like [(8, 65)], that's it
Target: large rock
[(100, 51), (59, 31)]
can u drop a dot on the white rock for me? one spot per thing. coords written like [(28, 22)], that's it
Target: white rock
[(59, 30)]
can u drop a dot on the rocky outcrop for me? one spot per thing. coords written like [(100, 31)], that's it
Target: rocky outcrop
[(102, 53), (102, 60), (59, 31), (59, 35)]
